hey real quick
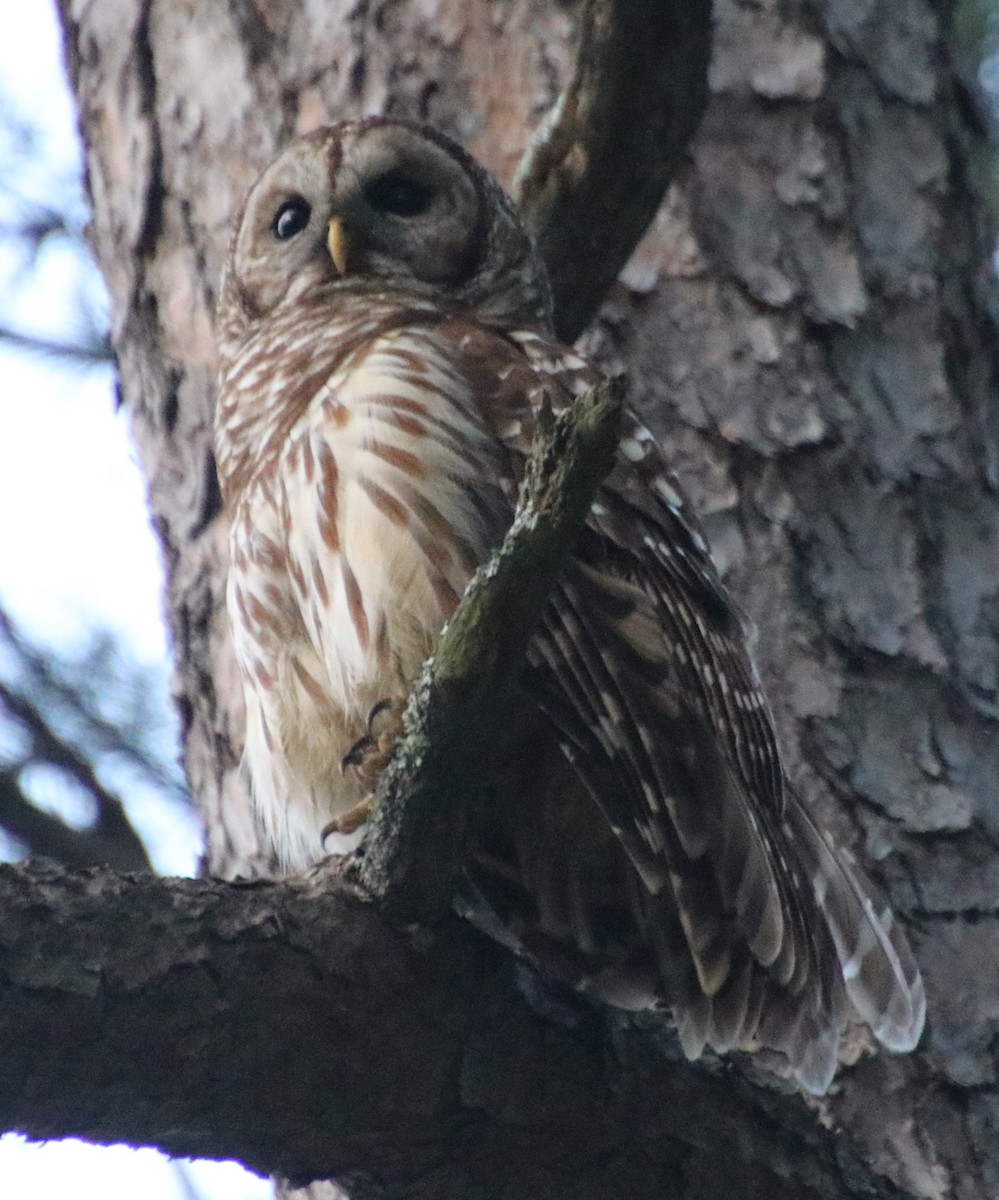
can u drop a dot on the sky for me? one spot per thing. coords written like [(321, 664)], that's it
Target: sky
[(59, 579), (69, 411)]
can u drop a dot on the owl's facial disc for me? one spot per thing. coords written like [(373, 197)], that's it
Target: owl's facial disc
[(383, 204), (403, 210)]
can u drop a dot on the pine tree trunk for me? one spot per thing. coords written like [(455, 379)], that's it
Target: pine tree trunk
[(806, 323)]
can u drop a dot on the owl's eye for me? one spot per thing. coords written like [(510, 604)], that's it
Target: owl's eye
[(291, 218), (398, 195)]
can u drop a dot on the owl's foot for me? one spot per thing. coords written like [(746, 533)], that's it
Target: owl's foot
[(367, 758), (372, 752), (350, 821)]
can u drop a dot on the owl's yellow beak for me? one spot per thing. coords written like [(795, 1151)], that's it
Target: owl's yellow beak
[(338, 244)]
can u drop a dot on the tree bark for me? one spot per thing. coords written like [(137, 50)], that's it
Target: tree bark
[(288, 1025), (807, 324)]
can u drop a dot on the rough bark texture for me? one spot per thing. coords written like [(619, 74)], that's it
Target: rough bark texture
[(288, 1025), (807, 324)]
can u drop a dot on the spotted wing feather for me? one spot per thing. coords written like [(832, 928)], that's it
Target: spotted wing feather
[(762, 933)]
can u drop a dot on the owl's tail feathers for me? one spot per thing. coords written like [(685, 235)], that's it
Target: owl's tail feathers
[(852, 962), (859, 966), (836, 957), (882, 980), (752, 1009)]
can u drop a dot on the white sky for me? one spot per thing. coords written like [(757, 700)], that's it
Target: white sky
[(73, 1169), (76, 550), (75, 543)]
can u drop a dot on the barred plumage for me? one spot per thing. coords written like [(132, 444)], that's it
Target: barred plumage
[(386, 346)]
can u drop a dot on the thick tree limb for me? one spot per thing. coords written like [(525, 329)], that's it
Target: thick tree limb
[(287, 1025), (415, 847), (597, 169)]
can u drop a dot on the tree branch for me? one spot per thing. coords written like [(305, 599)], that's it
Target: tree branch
[(111, 840), (71, 682), (91, 353), (41, 833), (414, 850), (597, 168), (287, 1025)]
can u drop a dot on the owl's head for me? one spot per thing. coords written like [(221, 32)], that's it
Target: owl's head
[(387, 206)]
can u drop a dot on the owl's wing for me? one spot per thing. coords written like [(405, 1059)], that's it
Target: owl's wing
[(762, 931)]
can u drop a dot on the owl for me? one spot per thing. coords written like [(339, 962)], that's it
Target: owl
[(386, 346)]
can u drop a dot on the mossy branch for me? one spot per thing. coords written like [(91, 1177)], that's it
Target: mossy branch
[(414, 849)]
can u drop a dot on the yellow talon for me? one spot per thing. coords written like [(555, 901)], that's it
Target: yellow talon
[(350, 821)]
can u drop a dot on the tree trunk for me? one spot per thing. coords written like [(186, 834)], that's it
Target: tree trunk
[(807, 325)]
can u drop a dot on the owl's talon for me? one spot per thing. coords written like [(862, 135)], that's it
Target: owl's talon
[(356, 754), (350, 821), (377, 709), (370, 754), (368, 743)]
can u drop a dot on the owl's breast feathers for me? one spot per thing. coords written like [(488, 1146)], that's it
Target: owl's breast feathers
[(365, 482), (368, 469)]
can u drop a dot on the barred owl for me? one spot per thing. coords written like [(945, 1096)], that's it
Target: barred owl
[(386, 344)]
